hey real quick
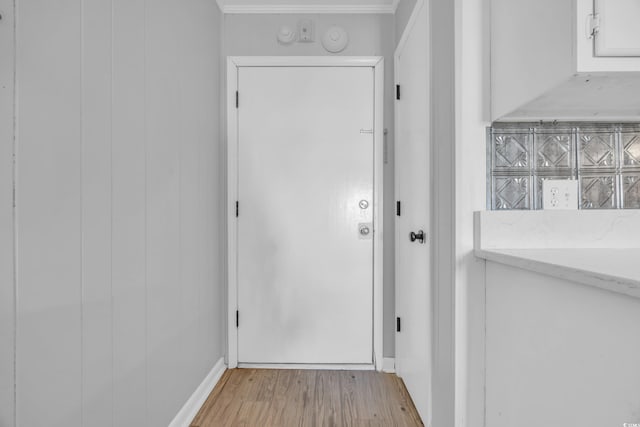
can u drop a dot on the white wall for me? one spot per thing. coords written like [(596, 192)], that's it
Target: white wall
[(369, 35), (443, 118), (472, 118), (526, 62), (559, 353), (120, 306), (403, 13), (7, 294)]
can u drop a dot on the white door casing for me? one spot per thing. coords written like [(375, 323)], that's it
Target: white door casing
[(280, 270), (413, 191)]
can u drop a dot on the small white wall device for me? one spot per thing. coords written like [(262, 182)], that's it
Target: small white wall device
[(560, 194), (335, 39), (305, 29), (286, 35)]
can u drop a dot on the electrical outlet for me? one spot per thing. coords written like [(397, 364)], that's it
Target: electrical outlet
[(560, 194)]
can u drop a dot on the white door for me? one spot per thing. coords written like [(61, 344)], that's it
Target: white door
[(619, 33), (305, 190), (413, 188)]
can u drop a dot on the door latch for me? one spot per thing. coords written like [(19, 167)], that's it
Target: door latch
[(419, 236)]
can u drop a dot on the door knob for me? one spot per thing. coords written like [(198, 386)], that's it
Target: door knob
[(417, 236)]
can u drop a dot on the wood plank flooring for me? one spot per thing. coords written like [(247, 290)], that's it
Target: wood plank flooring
[(314, 398)]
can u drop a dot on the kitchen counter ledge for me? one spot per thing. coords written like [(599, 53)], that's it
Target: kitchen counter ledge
[(591, 248)]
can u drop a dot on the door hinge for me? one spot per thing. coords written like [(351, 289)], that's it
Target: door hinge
[(397, 324), (237, 99), (398, 208), (237, 318), (398, 92), (237, 209), (593, 25)]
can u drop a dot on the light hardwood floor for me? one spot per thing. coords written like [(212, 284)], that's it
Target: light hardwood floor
[(282, 398)]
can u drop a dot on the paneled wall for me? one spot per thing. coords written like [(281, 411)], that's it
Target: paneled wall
[(7, 291), (119, 280)]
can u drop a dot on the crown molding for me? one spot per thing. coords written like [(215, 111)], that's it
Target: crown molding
[(311, 9)]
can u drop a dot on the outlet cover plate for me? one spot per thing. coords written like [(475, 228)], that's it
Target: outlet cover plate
[(560, 194)]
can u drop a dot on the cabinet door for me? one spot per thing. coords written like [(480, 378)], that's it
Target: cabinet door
[(619, 33)]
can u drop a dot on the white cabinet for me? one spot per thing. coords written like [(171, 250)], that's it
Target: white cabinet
[(608, 35), (565, 59), (616, 31)]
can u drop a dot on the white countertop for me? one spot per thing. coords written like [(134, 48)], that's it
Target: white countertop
[(599, 249), (616, 270)]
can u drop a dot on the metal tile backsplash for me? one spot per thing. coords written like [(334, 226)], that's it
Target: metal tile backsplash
[(603, 157)]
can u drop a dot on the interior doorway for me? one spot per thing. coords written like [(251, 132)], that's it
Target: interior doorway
[(413, 191)]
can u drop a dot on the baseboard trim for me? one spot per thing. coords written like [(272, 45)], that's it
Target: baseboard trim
[(316, 366), (389, 365), (190, 409)]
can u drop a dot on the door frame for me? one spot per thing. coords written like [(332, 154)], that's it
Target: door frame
[(233, 63)]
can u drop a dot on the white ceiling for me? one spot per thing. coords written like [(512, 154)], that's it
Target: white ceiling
[(308, 6)]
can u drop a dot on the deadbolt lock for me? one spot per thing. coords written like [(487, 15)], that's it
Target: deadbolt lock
[(365, 230)]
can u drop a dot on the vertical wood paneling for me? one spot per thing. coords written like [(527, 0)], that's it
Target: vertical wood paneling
[(7, 294), (181, 82), (165, 111), (186, 126), (129, 214), (197, 97), (49, 214), (206, 92), (97, 354), (118, 210)]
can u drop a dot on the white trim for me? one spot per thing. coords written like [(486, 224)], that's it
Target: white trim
[(394, 5), (310, 9), (377, 63), (389, 365), (378, 210), (299, 61), (319, 366), (191, 407), (232, 224)]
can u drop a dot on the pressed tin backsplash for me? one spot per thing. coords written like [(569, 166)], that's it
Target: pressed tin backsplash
[(603, 157)]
